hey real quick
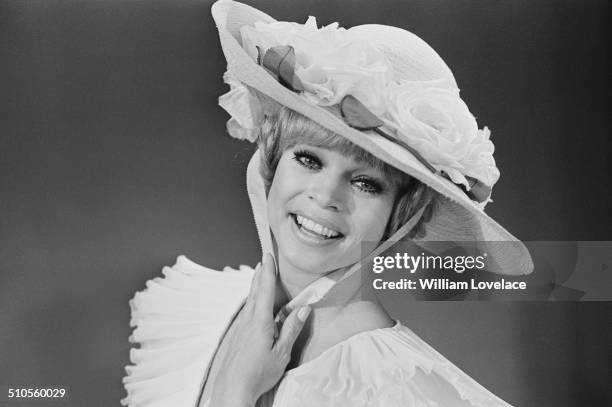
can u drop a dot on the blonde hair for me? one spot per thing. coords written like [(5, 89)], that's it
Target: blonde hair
[(286, 128)]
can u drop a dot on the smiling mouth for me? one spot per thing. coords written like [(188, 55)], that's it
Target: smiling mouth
[(312, 228)]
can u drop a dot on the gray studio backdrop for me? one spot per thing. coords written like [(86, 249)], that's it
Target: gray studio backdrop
[(114, 160)]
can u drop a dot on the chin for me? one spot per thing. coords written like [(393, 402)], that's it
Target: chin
[(316, 267), (316, 262)]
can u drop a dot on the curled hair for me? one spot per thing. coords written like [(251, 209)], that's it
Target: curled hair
[(286, 128)]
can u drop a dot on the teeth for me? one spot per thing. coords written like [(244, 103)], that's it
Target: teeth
[(315, 227)]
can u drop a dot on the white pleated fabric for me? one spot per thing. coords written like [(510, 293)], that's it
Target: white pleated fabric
[(180, 318)]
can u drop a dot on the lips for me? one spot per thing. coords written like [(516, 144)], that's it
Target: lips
[(315, 228)]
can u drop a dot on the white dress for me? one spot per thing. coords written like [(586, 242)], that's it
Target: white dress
[(179, 321)]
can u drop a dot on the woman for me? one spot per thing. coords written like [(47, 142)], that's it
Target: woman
[(362, 138)]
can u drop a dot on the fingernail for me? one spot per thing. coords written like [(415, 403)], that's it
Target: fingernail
[(269, 259), (303, 313)]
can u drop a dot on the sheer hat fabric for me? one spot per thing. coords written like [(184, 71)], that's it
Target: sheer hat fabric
[(457, 218)]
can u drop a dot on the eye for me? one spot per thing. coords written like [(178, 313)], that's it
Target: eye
[(307, 159), (368, 185)]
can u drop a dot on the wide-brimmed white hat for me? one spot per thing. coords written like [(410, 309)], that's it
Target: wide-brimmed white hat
[(405, 62)]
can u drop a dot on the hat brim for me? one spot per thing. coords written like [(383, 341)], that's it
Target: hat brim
[(457, 219)]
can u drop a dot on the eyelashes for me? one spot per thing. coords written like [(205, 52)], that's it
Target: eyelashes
[(312, 162), (368, 185), (307, 159)]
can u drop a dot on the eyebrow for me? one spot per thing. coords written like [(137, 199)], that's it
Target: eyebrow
[(381, 175), (343, 149)]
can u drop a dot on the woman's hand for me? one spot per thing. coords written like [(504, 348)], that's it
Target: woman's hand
[(255, 361)]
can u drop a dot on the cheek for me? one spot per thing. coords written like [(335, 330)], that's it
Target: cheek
[(372, 219)]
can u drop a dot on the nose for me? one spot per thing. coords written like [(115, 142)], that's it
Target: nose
[(327, 191)]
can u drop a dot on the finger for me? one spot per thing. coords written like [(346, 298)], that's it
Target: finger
[(291, 329), (252, 297), (264, 304)]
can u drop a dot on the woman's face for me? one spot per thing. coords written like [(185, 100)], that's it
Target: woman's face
[(322, 204)]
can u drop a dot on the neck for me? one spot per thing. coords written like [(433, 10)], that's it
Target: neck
[(339, 315), (292, 281)]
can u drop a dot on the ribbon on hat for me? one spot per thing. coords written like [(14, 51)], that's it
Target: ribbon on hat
[(280, 62)]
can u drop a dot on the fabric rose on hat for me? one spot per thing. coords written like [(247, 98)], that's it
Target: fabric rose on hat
[(329, 62), (431, 117)]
